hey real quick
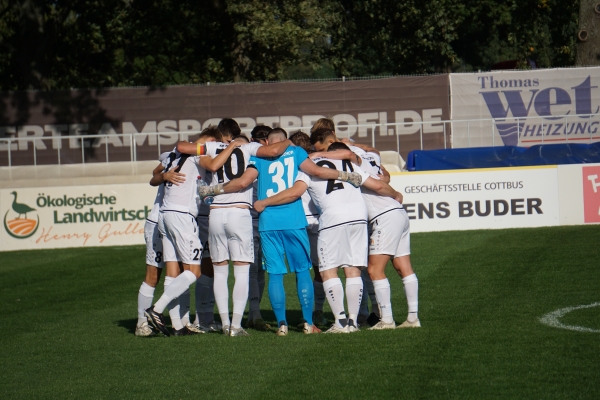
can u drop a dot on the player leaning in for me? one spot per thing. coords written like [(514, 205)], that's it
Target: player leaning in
[(284, 233), (178, 227), (342, 238), (154, 249)]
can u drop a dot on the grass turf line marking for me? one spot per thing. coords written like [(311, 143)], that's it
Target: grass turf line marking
[(551, 319)]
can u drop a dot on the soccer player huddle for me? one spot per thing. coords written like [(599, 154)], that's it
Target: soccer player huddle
[(274, 204)]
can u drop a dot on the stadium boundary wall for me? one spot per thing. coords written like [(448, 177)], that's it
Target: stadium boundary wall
[(47, 217)]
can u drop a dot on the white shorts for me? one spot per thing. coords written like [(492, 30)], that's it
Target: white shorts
[(154, 247), (390, 234), (230, 235), (203, 235), (344, 245), (313, 235), (180, 237)]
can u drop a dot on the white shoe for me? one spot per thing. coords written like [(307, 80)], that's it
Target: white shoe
[(336, 329), (310, 329), (144, 330), (194, 328), (383, 325), (406, 324), (238, 332), (282, 331), (226, 330)]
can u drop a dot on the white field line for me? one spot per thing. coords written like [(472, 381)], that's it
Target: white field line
[(551, 319)]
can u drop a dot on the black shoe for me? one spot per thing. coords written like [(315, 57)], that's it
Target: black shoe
[(184, 332), (373, 319), (156, 320)]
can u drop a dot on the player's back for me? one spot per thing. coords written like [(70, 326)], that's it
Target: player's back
[(339, 202), (376, 204), (182, 197)]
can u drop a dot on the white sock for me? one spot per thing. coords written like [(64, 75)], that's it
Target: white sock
[(254, 293), (174, 290), (411, 289), (204, 288), (364, 303), (335, 297), (145, 297), (354, 291), (319, 295), (184, 307), (383, 292), (221, 291), (240, 293), (173, 306)]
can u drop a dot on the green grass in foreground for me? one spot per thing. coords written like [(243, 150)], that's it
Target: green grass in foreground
[(68, 318)]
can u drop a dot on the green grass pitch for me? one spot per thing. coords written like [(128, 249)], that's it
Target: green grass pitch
[(68, 317)]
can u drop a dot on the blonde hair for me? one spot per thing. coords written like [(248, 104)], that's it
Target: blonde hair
[(323, 123)]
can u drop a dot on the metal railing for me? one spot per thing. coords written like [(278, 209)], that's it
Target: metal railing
[(562, 128)]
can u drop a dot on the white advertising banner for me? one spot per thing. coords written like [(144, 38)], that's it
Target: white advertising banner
[(527, 107), (77, 216), (480, 199)]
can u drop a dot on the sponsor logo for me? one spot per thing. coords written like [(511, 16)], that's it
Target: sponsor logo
[(21, 221)]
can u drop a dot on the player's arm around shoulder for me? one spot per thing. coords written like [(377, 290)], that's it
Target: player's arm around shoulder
[(217, 160), (382, 188), (273, 150), (283, 197), (242, 182), (159, 176)]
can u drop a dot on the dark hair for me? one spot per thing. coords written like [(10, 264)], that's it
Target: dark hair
[(229, 127), (323, 123), (337, 146), (260, 132), (278, 130), (320, 135), (213, 132), (301, 139)]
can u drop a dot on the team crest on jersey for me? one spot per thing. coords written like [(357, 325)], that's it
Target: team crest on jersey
[(21, 221)]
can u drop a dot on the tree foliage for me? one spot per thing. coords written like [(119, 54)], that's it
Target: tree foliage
[(92, 43)]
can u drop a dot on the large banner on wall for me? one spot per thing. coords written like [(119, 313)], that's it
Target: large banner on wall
[(480, 199), (529, 107), (78, 216), (418, 103)]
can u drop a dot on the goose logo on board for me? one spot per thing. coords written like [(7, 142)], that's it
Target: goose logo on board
[(18, 220)]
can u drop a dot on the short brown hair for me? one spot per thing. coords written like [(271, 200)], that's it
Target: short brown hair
[(213, 132), (323, 123), (301, 139), (320, 135), (229, 127)]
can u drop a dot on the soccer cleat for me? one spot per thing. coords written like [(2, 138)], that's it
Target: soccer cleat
[(373, 319), (336, 329), (352, 326), (407, 324), (282, 331), (383, 325), (310, 329), (156, 320), (238, 332), (319, 318), (194, 328), (144, 330), (362, 319), (225, 330), (183, 332), (260, 325)]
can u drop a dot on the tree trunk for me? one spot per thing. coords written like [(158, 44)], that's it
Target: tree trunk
[(588, 46)]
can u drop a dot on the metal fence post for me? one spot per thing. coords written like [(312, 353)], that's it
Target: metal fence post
[(82, 151)]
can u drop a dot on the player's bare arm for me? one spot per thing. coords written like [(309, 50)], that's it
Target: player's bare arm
[(213, 164), (382, 189), (283, 197), (242, 182), (273, 150), (340, 154), (361, 146), (312, 169), (385, 174), (159, 176)]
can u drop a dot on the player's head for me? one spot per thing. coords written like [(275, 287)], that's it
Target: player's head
[(259, 133), (323, 123), (210, 134), (276, 135), (337, 146), (243, 139), (301, 139), (229, 129), (322, 138)]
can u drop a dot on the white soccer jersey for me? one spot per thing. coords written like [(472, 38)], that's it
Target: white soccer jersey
[(233, 168), (310, 210), (182, 197), (339, 202), (376, 204), (160, 193)]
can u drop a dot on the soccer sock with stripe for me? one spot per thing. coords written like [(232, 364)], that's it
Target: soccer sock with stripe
[(240, 293), (306, 294), (319, 295), (174, 290), (411, 288), (277, 297), (221, 291), (145, 297), (354, 291), (335, 297), (184, 307), (383, 292), (254, 293)]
